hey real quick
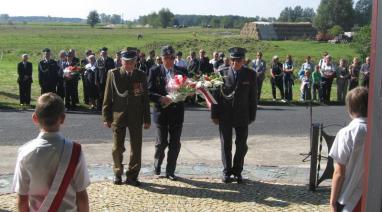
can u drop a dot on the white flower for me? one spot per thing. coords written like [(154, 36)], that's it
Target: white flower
[(207, 84)]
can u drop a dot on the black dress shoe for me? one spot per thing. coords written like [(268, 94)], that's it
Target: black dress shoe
[(239, 179), (133, 182), (171, 177), (117, 180), (157, 171), (226, 179)]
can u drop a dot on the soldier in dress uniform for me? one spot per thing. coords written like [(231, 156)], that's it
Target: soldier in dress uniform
[(126, 104), (24, 71), (47, 73), (104, 64), (167, 115), (235, 109)]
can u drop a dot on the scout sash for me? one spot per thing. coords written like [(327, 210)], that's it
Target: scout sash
[(64, 174)]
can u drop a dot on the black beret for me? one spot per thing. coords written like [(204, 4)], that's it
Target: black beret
[(104, 49), (46, 50), (237, 52), (167, 50)]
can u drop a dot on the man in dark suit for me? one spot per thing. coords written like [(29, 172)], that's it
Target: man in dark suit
[(104, 64), (236, 109), (205, 66), (85, 86), (24, 71), (167, 115), (47, 73)]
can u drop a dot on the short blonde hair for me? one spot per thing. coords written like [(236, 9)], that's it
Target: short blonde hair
[(49, 108), (356, 101)]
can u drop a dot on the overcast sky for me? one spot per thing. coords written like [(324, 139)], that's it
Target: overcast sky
[(132, 9)]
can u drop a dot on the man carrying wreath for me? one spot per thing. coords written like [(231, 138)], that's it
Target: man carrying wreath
[(167, 115), (235, 109)]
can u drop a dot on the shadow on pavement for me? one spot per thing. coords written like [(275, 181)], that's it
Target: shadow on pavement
[(272, 195)]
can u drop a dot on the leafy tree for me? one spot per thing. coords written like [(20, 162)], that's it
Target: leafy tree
[(336, 30), (116, 19), (362, 41), (165, 17), (297, 14), (363, 11), (93, 18), (105, 19), (215, 22), (334, 12)]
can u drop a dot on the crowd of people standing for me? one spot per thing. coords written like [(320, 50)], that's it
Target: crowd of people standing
[(316, 80)]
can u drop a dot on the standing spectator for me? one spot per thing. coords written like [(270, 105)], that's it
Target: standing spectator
[(354, 70), (118, 60), (328, 72), (60, 83), (179, 61), (47, 73), (85, 86), (343, 76), (141, 63), (90, 72), (322, 60), (316, 83), (365, 73), (276, 70), (71, 82), (150, 60), (158, 61), (226, 64), (306, 70), (288, 78), (260, 67), (215, 58), (205, 66), (104, 64), (24, 71), (193, 66), (348, 155), (75, 61), (219, 62)]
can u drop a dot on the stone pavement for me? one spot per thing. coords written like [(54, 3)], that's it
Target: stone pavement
[(198, 194), (275, 180)]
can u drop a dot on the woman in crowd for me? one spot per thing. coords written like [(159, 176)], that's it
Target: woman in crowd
[(342, 80), (288, 78), (328, 72), (276, 70), (354, 70), (90, 70)]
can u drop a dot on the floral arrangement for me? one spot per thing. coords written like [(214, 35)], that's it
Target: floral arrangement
[(179, 87), (72, 72)]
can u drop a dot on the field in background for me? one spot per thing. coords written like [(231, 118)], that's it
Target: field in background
[(31, 39)]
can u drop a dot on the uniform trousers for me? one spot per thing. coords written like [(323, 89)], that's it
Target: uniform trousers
[(173, 144), (119, 134), (226, 148), (101, 93), (70, 92), (25, 92)]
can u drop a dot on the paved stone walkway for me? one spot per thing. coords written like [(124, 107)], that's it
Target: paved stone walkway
[(198, 194)]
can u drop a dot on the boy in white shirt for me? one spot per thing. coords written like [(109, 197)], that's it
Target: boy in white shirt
[(348, 154), (42, 168)]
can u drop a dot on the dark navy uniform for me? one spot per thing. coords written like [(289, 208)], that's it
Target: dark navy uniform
[(24, 70), (103, 66), (236, 109), (169, 120), (48, 74)]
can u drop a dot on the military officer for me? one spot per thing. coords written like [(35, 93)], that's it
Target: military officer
[(167, 115), (126, 104), (47, 73), (236, 109), (104, 64)]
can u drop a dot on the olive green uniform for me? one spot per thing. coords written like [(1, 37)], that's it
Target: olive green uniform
[(126, 104)]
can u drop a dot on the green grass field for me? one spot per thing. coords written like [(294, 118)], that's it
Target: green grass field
[(31, 39)]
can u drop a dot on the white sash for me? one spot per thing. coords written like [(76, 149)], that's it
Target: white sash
[(60, 173)]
